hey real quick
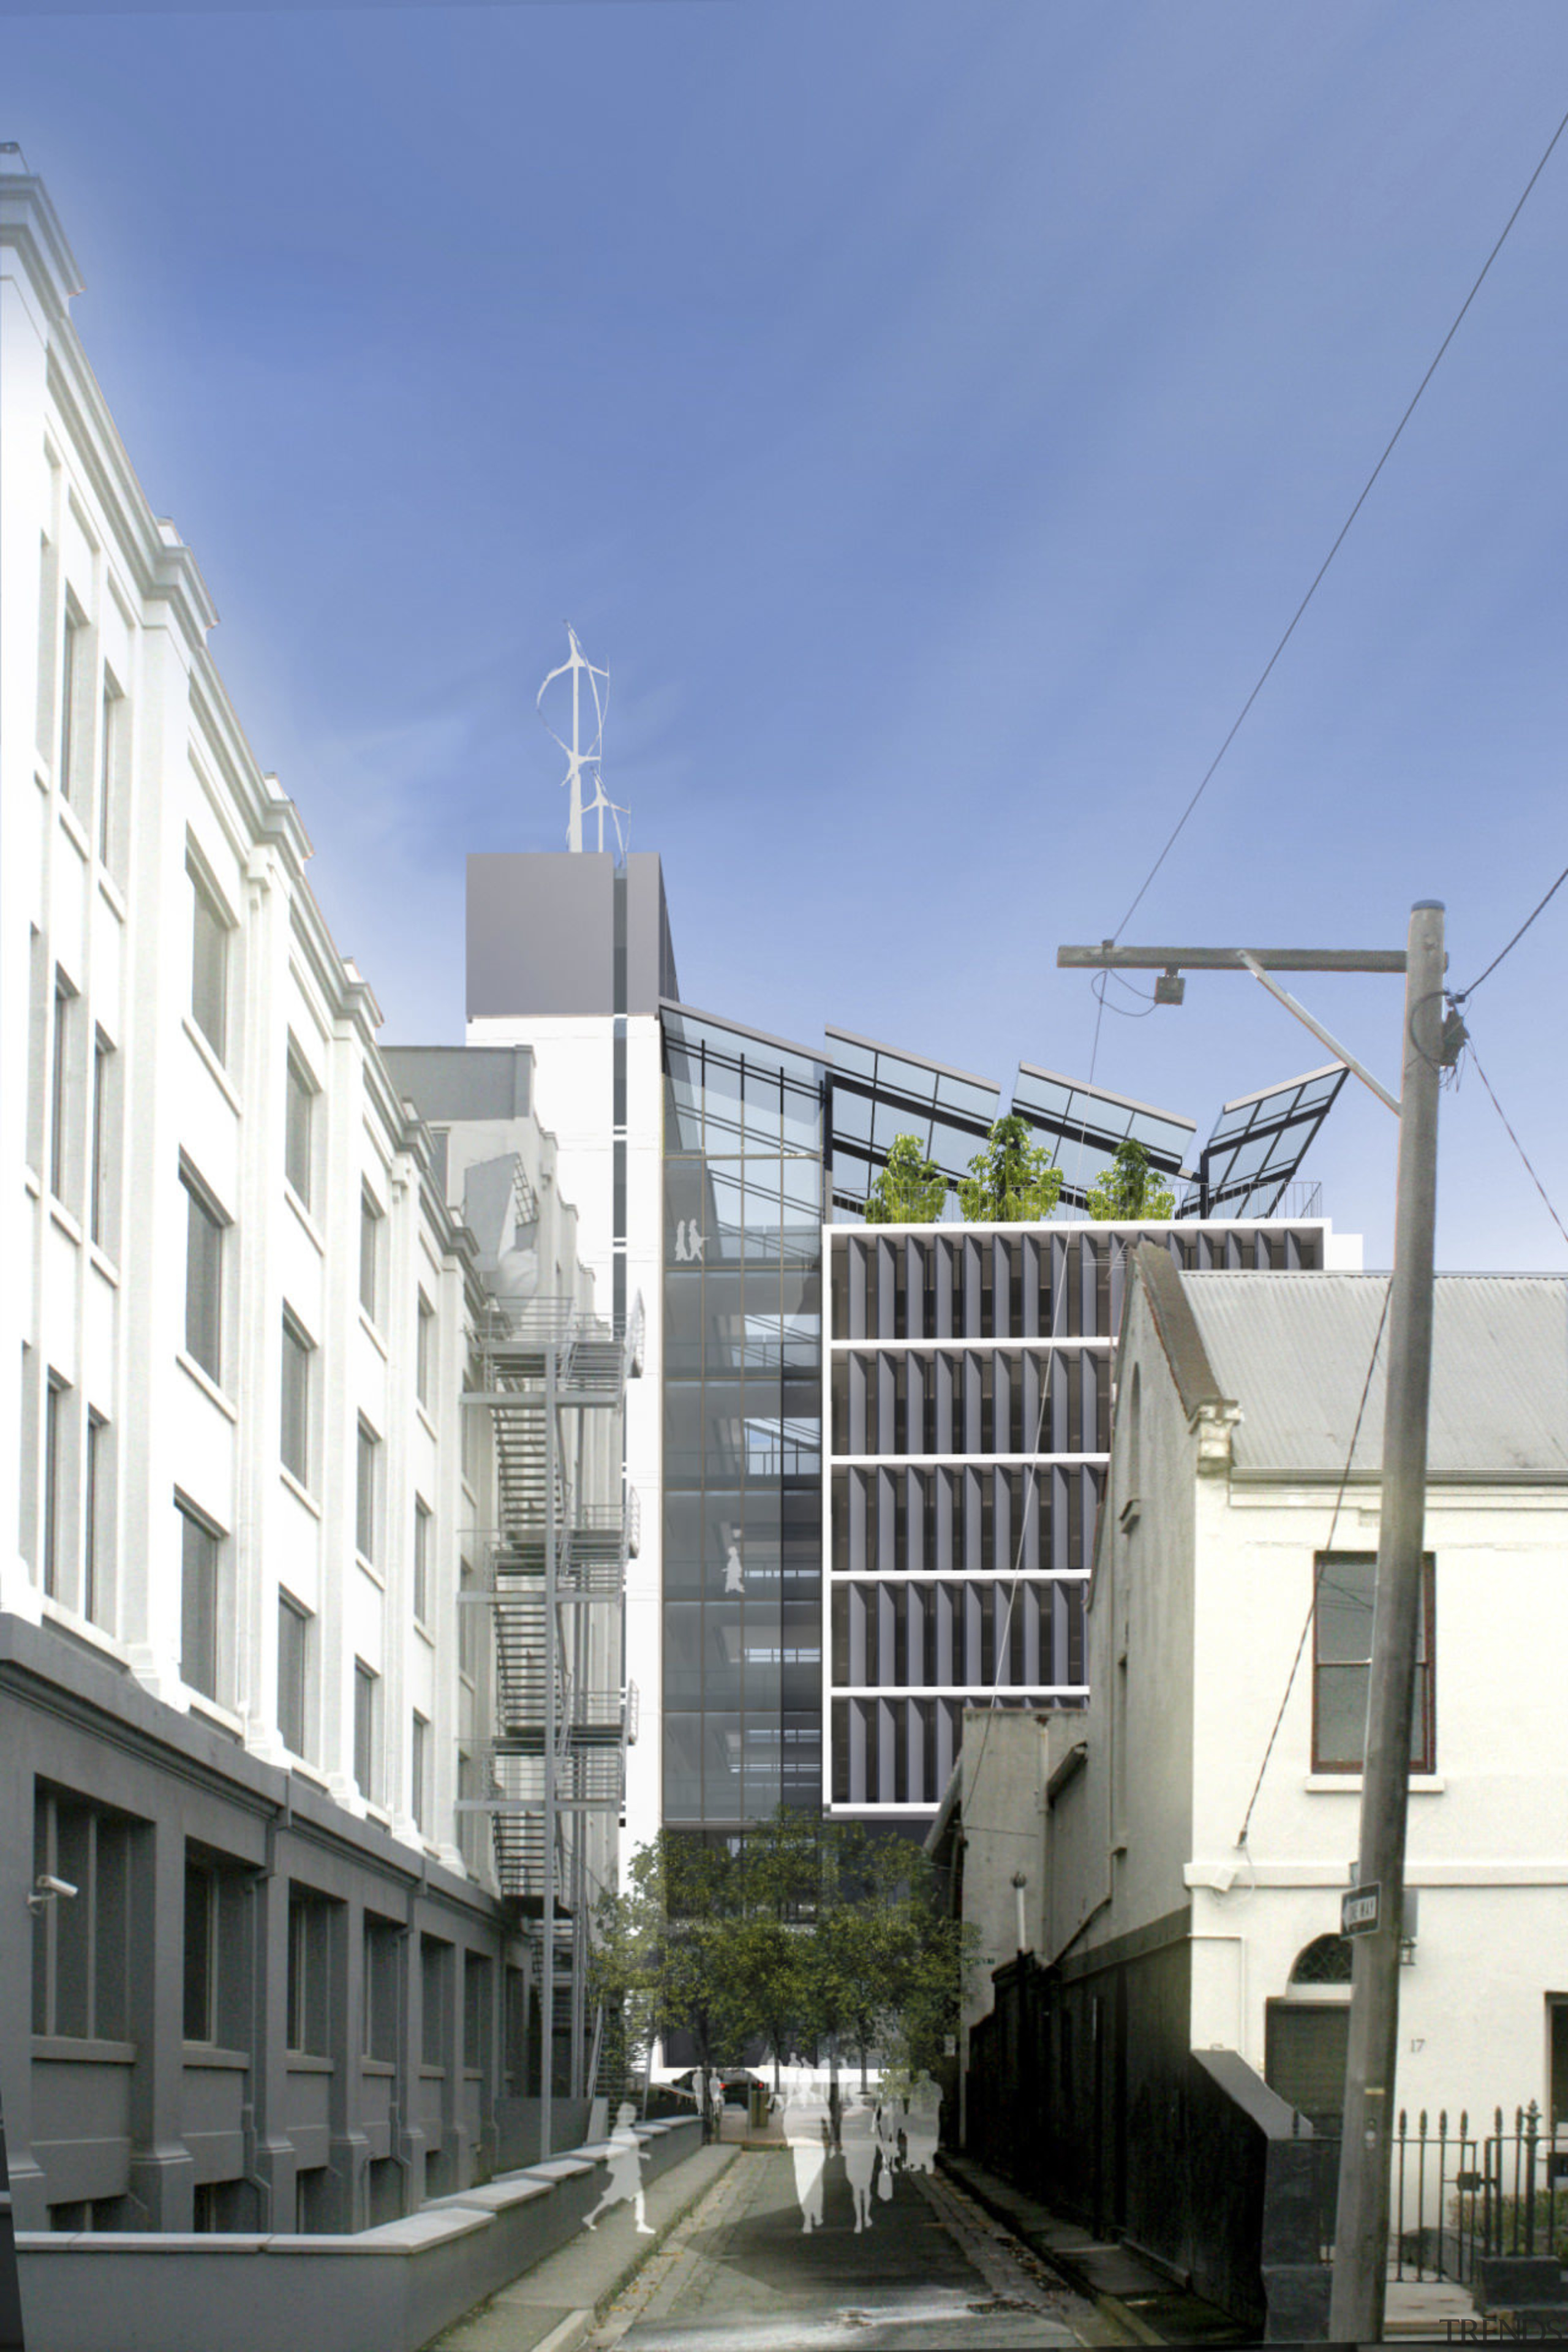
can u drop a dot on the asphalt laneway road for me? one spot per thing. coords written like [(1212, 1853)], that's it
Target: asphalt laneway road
[(932, 2273)]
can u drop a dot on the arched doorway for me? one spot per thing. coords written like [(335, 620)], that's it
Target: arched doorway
[(1306, 2033)]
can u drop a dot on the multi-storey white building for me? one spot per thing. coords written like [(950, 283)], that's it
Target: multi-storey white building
[(242, 1700)]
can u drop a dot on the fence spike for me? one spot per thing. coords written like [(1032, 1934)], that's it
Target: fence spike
[(1442, 2123), (1498, 2113), (1464, 2123), (1422, 2123), (1403, 2123)]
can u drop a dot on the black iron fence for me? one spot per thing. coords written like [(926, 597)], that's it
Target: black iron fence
[(1457, 2195)]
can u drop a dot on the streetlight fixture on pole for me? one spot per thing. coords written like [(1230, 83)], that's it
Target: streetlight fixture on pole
[(1431, 1043)]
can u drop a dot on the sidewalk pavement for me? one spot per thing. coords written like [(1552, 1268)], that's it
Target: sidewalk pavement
[(553, 2306), (1149, 2306)]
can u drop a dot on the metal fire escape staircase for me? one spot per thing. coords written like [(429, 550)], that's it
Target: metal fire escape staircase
[(555, 1589)]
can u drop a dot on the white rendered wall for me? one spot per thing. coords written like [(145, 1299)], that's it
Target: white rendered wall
[(111, 908), (1487, 1835)]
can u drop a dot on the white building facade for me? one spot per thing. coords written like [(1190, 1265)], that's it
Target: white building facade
[(1202, 1826), (242, 1695)]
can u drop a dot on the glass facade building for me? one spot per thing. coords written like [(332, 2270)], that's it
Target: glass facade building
[(743, 1173)]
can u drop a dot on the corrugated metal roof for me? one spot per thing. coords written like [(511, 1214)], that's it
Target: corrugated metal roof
[(1292, 1350)]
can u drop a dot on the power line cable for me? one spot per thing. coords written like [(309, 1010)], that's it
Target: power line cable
[(1459, 996), (1366, 492), (1512, 1137), (1312, 1605)]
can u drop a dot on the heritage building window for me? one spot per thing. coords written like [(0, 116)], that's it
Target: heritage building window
[(1341, 1664)]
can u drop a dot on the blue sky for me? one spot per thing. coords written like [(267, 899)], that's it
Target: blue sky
[(933, 415)]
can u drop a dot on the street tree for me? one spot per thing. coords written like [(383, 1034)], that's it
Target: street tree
[(1013, 1182), (1130, 1188)]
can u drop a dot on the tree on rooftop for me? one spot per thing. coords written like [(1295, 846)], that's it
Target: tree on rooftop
[(1013, 1182), (1130, 1188), (909, 1190)]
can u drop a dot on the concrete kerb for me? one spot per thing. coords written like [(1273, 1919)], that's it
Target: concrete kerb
[(995, 2199), (389, 2289)]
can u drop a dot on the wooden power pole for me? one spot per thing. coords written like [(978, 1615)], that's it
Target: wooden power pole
[(1361, 2231)]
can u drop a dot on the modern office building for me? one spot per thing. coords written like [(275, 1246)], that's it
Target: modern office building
[(813, 1604), (970, 1374), (282, 1478)]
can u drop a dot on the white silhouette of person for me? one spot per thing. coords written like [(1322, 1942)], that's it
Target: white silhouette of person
[(714, 2086), (857, 2138), (887, 2114), (735, 1572), (695, 1237), (803, 2114), (922, 2126), (624, 2185)]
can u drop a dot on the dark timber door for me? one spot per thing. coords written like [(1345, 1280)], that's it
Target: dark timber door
[(1304, 2057)]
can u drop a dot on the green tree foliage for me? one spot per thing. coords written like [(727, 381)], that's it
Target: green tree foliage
[(1130, 1188), (810, 1933), (909, 1190), (1013, 1182)]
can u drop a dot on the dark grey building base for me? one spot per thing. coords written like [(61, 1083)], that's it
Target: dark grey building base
[(385, 2290)]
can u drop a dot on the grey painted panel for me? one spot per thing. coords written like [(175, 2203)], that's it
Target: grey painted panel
[(540, 934), (466, 1082)]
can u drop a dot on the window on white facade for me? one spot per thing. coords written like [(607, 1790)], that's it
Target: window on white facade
[(419, 1751), (293, 1654), (299, 1123), (59, 1086), (112, 720), (57, 1416), (1342, 1668), (425, 1350), (295, 1438), (421, 1559), (367, 1500), (209, 962), (103, 1198), (201, 1545), (204, 1227), (72, 647), (367, 1729), (369, 1224), (98, 1521)]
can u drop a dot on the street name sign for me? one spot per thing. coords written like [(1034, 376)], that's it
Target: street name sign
[(1358, 1911)]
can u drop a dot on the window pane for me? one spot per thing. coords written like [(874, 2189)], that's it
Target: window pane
[(209, 961), (425, 1350), (364, 1730), (421, 1730), (98, 1174), (369, 1224), (59, 1099), (69, 683), (1342, 1716), (296, 1430), (297, 1132), (198, 1610), (421, 1560), (292, 1625), (1344, 1610), (204, 1284), (364, 1499)]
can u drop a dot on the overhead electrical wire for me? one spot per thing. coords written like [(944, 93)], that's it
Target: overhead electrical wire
[(1366, 491), (1459, 996), (1469, 1048)]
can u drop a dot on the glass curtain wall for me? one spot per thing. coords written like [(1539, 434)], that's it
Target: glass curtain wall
[(743, 1426)]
